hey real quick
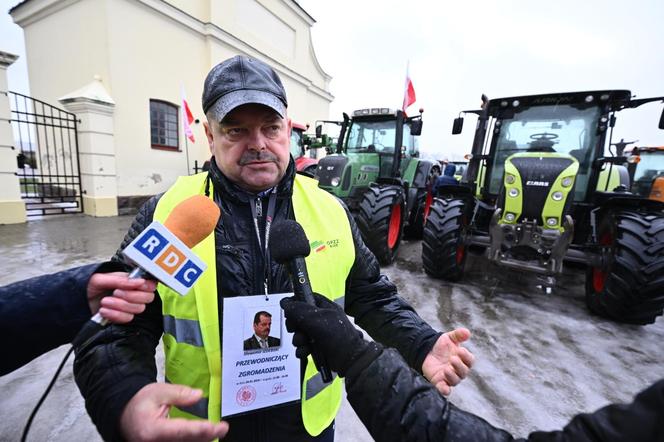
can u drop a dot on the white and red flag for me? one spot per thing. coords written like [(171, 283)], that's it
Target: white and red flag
[(409, 91), (187, 117)]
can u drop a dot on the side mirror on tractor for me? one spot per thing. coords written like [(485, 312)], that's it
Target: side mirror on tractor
[(416, 127), (319, 131), (457, 127), (661, 120)]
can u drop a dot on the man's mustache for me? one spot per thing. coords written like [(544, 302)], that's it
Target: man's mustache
[(253, 156)]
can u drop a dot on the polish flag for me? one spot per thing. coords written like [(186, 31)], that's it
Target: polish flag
[(187, 117), (409, 92)]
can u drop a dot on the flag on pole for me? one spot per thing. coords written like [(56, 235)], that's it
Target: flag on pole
[(187, 117), (409, 91)]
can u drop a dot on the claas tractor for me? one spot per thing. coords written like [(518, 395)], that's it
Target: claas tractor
[(540, 190), (377, 172)]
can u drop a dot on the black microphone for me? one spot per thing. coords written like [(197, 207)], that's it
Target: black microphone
[(289, 245)]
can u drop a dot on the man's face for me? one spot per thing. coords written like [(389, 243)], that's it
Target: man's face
[(262, 329), (251, 146)]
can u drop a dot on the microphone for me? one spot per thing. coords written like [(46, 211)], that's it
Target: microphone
[(290, 246), (164, 252)]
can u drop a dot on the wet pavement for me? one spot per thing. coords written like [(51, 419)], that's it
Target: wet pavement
[(540, 358)]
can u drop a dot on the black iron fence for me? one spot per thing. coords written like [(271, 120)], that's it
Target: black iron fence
[(48, 158)]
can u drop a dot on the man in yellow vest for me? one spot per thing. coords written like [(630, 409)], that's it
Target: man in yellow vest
[(253, 181)]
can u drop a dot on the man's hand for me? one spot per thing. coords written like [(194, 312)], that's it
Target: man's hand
[(448, 362), (145, 416), (129, 295)]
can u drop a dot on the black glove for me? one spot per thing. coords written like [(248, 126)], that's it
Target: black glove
[(326, 327)]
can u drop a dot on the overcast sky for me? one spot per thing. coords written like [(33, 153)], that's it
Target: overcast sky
[(459, 50)]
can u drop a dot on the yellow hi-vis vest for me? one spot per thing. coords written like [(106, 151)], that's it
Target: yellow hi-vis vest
[(191, 322)]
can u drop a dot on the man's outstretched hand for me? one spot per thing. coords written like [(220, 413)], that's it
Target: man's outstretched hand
[(145, 417), (448, 362), (129, 295)]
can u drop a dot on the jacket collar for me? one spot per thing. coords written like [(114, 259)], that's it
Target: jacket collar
[(227, 189)]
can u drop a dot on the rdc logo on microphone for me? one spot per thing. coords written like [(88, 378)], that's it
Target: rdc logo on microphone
[(163, 255)]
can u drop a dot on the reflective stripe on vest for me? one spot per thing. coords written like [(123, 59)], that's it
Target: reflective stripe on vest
[(185, 331), (193, 320)]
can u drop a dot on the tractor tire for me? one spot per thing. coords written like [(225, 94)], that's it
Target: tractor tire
[(418, 216), (443, 247), (629, 288), (381, 219)]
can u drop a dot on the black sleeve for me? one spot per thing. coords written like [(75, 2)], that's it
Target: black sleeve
[(372, 300), (397, 404), (120, 360), (42, 313)]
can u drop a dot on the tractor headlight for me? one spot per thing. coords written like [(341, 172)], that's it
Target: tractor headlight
[(510, 217), (557, 196), (335, 181), (509, 178), (551, 221), (514, 192), (567, 181)]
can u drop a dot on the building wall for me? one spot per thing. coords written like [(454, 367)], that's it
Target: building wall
[(145, 49)]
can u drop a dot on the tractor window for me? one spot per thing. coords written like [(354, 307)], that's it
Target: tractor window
[(372, 136), (561, 129), (296, 144), (408, 140)]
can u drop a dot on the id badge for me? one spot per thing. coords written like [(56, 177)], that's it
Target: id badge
[(259, 367)]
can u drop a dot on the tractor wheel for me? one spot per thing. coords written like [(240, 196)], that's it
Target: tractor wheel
[(419, 214), (381, 219), (443, 247), (629, 287)]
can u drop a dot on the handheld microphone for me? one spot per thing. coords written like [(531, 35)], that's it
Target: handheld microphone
[(164, 251), (290, 246)]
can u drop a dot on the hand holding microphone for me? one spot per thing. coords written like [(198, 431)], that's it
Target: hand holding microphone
[(289, 245), (164, 251)]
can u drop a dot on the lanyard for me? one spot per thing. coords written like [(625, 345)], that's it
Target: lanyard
[(256, 205)]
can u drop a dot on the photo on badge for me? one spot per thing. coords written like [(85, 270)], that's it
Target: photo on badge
[(259, 334)]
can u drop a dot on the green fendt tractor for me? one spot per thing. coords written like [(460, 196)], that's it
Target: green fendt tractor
[(539, 189), (377, 173)]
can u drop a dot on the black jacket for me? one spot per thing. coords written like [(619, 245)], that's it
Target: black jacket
[(397, 404), (42, 313), (120, 360)]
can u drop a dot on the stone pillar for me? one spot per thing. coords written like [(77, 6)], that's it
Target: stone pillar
[(12, 207), (94, 107)]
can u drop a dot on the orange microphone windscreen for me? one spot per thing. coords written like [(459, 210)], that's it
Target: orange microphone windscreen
[(193, 219)]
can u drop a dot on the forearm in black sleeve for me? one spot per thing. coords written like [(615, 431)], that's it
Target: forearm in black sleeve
[(42, 313), (115, 364), (372, 300), (112, 366), (397, 404)]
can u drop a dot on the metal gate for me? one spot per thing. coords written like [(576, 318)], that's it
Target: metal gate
[(48, 160)]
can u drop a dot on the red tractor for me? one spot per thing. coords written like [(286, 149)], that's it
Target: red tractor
[(298, 150)]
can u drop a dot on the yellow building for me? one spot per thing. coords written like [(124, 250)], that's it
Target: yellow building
[(120, 66)]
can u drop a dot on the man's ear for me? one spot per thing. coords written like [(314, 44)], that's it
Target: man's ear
[(209, 135), (290, 126)]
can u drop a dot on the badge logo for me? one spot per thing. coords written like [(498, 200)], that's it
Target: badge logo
[(245, 396)]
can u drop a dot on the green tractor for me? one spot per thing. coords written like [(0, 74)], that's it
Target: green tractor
[(540, 190), (377, 172)]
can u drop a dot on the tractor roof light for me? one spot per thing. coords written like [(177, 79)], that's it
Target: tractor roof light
[(468, 156), (514, 192), (557, 196), (567, 181), (589, 99), (516, 103), (552, 222)]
